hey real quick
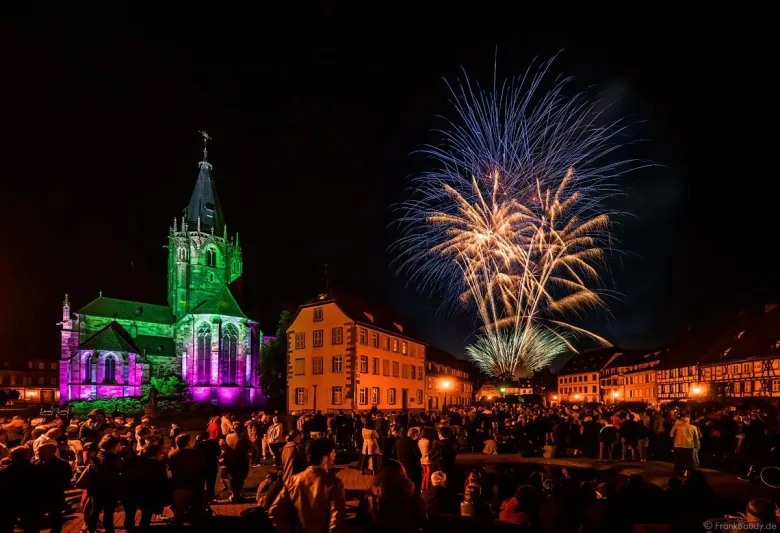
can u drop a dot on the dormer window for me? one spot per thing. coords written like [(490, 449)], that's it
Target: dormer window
[(318, 314)]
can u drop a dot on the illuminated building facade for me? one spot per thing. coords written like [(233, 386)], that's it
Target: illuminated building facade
[(744, 361), (631, 377), (447, 381), (37, 383), (347, 354), (110, 347), (578, 380)]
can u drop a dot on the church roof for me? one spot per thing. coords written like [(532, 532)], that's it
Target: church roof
[(128, 310), (221, 303), (204, 203), (112, 337), (160, 346)]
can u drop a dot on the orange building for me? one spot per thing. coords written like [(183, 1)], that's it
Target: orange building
[(578, 380), (447, 381), (346, 354)]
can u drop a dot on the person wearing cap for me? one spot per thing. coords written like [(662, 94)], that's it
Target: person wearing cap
[(94, 428), (52, 476)]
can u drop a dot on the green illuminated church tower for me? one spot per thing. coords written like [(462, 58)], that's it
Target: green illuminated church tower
[(202, 260)]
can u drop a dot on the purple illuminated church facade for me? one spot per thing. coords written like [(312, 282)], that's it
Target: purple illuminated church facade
[(111, 347)]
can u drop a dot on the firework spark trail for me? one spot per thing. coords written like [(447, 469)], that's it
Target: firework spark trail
[(504, 222)]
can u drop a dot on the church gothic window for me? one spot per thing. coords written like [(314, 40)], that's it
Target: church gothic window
[(110, 370), (182, 254), (228, 353), (211, 258), (88, 369), (203, 354)]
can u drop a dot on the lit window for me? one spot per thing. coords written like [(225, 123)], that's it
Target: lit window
[(364, 364), (336, 397), (404, 347), (363, 336), (300, 396), (317, 342), (386, 343), (374, 395), (300, 341), (391, 396), (318, 314), (317, 365), (337, 335), (300, 367), (375, 339), (395, 345), (336, 364), (363, 397), (419, 396)]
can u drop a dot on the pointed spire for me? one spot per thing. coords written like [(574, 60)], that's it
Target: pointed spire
[(100, 293), (66, 301), (204, 203), (198, 222), (224, 232), (174, 224), (236, 239)]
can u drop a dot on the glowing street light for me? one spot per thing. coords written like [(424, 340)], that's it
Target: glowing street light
[(576, 396), (446, 384), (697, 390), (503, 390)]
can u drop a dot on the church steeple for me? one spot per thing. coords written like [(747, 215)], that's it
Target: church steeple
[(204, 208)]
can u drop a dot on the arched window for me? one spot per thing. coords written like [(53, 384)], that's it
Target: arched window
[(228, 353), (211, 258), (203, 354), (88, 369), (110, 373), (182, 254)]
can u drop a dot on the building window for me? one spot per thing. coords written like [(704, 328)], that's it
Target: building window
[(337, 335), (363, 336), (211, 258), (594, 389), (395, 369), (316, 367), (88, 369), (395, 345), (300, 341), (385, 367), (317, 341), (386, 343), (375, 366), (404, 347), (229, 354), (419, 396), (336, 396), (391, 396), (413, 372), (405, 371), (363, 364), (300, 396), (300, 367), (419, 373), (42, 381), (335, 366), (363, 399), (374, 395), (318, 314), (375, 339), (110, 370), (203, 354)]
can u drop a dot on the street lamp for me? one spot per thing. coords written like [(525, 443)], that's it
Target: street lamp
[(697, 390)]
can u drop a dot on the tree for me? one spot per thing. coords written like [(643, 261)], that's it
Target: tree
[(273, 365)]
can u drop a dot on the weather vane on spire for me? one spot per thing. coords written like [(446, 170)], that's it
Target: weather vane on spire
[(206, 139)]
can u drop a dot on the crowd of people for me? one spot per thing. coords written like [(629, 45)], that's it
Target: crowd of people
[(411, 456), (114, 460)]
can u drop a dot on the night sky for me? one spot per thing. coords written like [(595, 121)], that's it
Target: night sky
[(314, 116)]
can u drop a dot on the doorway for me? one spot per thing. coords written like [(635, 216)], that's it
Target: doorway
[(47, 396), (404, 399)]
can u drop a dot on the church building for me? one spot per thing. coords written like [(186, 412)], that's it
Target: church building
[(111, 347)]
